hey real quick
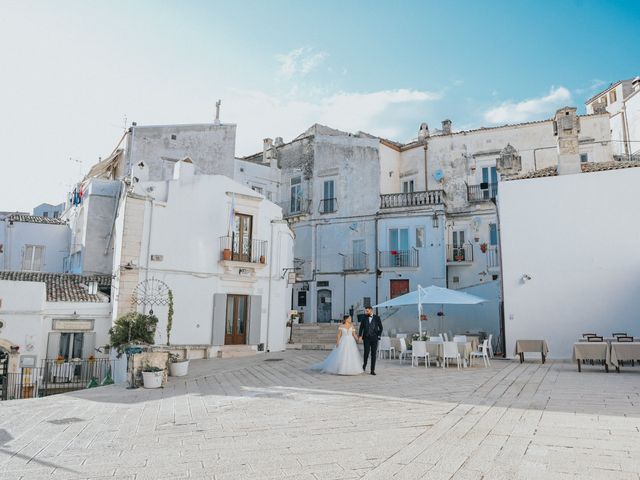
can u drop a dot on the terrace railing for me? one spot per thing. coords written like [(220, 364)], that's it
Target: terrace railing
[(411, 199)]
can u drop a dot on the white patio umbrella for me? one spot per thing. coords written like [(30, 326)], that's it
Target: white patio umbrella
[(431, 296)]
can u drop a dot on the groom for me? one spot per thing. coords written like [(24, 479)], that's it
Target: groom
[(370, 331)]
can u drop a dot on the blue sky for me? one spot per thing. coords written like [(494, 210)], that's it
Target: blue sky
[(72, 71)]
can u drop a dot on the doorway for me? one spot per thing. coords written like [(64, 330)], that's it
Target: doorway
[(236, 322), (243, 232), (324, 306), (398, 287), (71, 345)]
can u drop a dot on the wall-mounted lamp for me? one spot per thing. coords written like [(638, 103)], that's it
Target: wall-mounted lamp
[(434, 220)]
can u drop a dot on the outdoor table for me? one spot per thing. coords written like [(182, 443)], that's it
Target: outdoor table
[(531, 346), (474, 339), (592, 351), (433, 350), (621, 351), (464, 349), (395, 343), (609, 339)]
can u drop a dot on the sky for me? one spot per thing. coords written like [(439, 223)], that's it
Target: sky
[(73, 74)]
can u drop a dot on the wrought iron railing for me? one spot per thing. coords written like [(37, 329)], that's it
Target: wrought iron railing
[(398, 258), (297, 207), (626, 157), (356, 262), (57, 376), (482, 193), (412, 199), (328, 205), (460, 253), (250, 250)]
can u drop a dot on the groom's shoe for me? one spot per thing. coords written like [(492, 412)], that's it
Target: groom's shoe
[(364, 367), (373, 373)]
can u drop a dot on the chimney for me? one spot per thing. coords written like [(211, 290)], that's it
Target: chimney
[(423, 132), (635, 84), (446, 127), (278, 142), (267, 144), (566, 126), (183, 169)]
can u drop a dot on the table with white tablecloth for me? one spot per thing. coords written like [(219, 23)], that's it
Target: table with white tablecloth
[(598, 351), (624, 351)]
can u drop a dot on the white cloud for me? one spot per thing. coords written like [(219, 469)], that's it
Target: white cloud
[(510, 112), (386, 113), (299, 62)]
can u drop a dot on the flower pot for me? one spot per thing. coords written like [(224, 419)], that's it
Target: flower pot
[(483, 248), (226, 254), (178, 369), (152, 379), (262, 259)]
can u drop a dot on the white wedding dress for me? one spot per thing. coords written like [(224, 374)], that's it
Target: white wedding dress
[(344, 359)]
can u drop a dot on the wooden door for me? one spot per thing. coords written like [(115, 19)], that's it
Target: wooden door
[(398, 287), (236, 321), (242, 238)]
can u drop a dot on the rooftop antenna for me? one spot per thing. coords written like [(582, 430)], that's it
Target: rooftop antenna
[(125, 122), (217, 120)]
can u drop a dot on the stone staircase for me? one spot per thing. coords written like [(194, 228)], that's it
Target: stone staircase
[(313, 336), (235, 351)]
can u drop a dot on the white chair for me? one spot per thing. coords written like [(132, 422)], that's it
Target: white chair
[(436, 339), (403, 349), (446, 337), (385, 346), (450, 351), (401, 335), (460, 338), (491, 345), (482, 352), (418, 351)]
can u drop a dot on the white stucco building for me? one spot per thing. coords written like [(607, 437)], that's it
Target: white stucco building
[(50, 314), (33, 244), (48, 210), (176, 232), (621, 101)]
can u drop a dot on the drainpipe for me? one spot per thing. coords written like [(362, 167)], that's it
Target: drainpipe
[(148, 260), (503, 336), (426, 174), (376, 262)]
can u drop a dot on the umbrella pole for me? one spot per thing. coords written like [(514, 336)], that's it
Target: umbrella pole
[(419, 311)]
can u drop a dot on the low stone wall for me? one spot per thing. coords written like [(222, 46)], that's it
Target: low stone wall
[(152, 359)]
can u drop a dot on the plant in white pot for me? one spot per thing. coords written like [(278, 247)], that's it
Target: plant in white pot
[(178, 367), (152, 376)]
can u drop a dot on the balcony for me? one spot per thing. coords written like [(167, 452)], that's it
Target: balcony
[(460, 254), (398, 258), (484, 192), (247, 250), (355, 263), (411, 199), (328, 205), (296, 208)]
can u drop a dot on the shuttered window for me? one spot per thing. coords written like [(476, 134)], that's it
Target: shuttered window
[(32, 258)]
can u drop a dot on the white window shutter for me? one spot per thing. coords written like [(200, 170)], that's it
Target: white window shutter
[(27, 257), (38, 257)]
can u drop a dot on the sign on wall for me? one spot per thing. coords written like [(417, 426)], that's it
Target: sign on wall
[(73, 325)]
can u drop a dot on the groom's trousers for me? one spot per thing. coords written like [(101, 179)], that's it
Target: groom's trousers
[(370, 346)]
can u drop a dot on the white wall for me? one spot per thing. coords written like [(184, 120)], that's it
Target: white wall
[(55, 238), (576, 237)]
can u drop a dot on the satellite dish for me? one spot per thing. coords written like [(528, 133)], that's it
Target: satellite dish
[(438, 175)]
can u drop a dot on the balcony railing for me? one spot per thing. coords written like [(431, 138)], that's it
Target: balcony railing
[(295, 208), (356, 262), (482, 193), (460, 253), (412, 199), (328, 205), (243, 249), (493, 259), (398, 258)]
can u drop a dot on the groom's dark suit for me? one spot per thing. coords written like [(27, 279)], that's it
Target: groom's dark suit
[(370, 331)]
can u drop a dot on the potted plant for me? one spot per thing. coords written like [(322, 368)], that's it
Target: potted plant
[(59, 359), (132, 328), (262, 259), (152, 376), (91, 358), (459, 257), (483, 247), (226, 254), (169, 316), (178, 367)]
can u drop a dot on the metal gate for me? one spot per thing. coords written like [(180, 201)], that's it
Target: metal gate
[(4, 367)]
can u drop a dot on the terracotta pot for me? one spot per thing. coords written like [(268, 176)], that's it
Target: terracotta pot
[(226, 254), (262, 259)]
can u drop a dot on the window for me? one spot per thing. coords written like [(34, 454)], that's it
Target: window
[(493, 234), (56, 214), (242, 236), (407, 187), (296, 195), (399, 247), (359, 255), (419, 237), (45, 214), (458, 252), (612, 96), (398, 287), (329, 198), (32, 258), (603, 99), (71, 345), (584, 157), (302, 299), (366, 302)]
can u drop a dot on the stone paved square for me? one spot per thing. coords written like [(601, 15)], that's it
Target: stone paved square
[(269, 417)]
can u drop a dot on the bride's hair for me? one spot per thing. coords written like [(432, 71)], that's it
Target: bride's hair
[(344, 318)]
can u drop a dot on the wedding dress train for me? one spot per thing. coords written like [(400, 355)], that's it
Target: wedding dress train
[(345, 359)]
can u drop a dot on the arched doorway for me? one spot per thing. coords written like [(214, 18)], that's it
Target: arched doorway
[(324, 305)]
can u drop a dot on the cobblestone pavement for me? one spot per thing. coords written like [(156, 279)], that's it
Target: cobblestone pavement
[(269, 417)]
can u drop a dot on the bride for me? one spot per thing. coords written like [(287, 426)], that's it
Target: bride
[(345, 359)]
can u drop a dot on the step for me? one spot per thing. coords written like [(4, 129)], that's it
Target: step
[(236, 351)]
